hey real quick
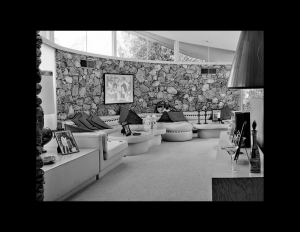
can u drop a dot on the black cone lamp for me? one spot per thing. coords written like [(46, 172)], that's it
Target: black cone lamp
[(247, 71)]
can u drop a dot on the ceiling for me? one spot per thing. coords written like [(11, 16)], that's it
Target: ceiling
[(219, 39)]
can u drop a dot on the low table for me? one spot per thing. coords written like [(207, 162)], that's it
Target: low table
[(238, 186), (70, 173), (157, 136), (211, 129), (136, 144)]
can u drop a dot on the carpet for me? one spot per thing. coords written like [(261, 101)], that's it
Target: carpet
[(172, 171)]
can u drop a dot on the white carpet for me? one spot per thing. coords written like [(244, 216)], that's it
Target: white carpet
[(172, 171)]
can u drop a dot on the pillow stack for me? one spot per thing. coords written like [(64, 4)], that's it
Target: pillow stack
[(86, 123), (129, 116)]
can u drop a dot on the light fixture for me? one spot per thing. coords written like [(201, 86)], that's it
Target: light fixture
[(247, 71)]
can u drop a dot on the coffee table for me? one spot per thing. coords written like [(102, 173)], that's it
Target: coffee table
[(210, 130), (157, 136), (136, 144)]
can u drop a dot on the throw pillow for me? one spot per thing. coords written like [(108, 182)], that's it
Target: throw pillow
[(133, 118), (226, 113), (123, 114), (177, 116), (94, 120), (84, 120), (76, 129), (76, 118), (165, 118)]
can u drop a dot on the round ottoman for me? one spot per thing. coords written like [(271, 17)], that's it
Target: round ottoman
[(177, 131)]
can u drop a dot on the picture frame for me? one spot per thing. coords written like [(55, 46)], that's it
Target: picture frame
[(118, 88), (126, 129), (66, 142), (216, 114)]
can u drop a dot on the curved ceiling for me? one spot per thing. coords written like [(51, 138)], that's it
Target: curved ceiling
[(219, 39)]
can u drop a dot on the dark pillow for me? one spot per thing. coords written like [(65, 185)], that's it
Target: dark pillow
[(123, 114), (226, 113), (164, 118), (84, 120), (94, 120), (177, 116), (133, 118), (80, 120), (77, 129)]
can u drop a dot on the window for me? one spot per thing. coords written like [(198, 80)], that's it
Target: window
[(99, 42), (71, 39), (247, 94), (131, 46), (185, 58), (159, 52)]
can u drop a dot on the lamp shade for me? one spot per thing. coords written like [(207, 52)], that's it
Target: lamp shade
[(247, 71), (47, 93)]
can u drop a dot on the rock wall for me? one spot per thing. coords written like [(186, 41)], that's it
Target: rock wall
[(182, 86)]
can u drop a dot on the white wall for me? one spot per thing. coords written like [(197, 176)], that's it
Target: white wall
[(48, 64)]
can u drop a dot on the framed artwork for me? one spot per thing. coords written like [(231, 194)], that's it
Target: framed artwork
[(118, 88), (216, 114), (240, 142), (66, 142), (126, 129)]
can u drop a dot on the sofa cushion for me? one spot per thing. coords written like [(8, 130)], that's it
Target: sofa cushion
[(226, 113), (79, 119), (165, 118), (76, 129), (133, 118), (177, 116), (123, 114), (113, 148), (94, 120)]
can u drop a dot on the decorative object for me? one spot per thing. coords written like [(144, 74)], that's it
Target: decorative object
[(66, 142), (39, 176), (255, 157), (239, 141), (153, 122), (118, 88), (126, 129), (247, 71), (49, 160), (205, 116), (216, 114), (147, 123), (160, 106), (47, 135)]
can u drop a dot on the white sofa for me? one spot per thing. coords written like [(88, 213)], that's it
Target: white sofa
[(64, 180)]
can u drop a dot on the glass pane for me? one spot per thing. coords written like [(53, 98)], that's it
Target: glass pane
[(159, 52), (131, 46), (99, 42), (185, 58), (247, 94), (71, 39)]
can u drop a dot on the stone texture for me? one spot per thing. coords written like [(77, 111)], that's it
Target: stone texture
[(180, 86)]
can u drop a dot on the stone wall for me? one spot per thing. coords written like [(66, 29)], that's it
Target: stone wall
[(182, 86)]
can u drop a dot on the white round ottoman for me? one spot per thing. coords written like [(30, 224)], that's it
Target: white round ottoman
[(177, 131)]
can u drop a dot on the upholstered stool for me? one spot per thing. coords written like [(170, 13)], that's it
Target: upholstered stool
[(177, 131)]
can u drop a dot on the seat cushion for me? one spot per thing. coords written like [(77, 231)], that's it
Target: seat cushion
[(113, 148)]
